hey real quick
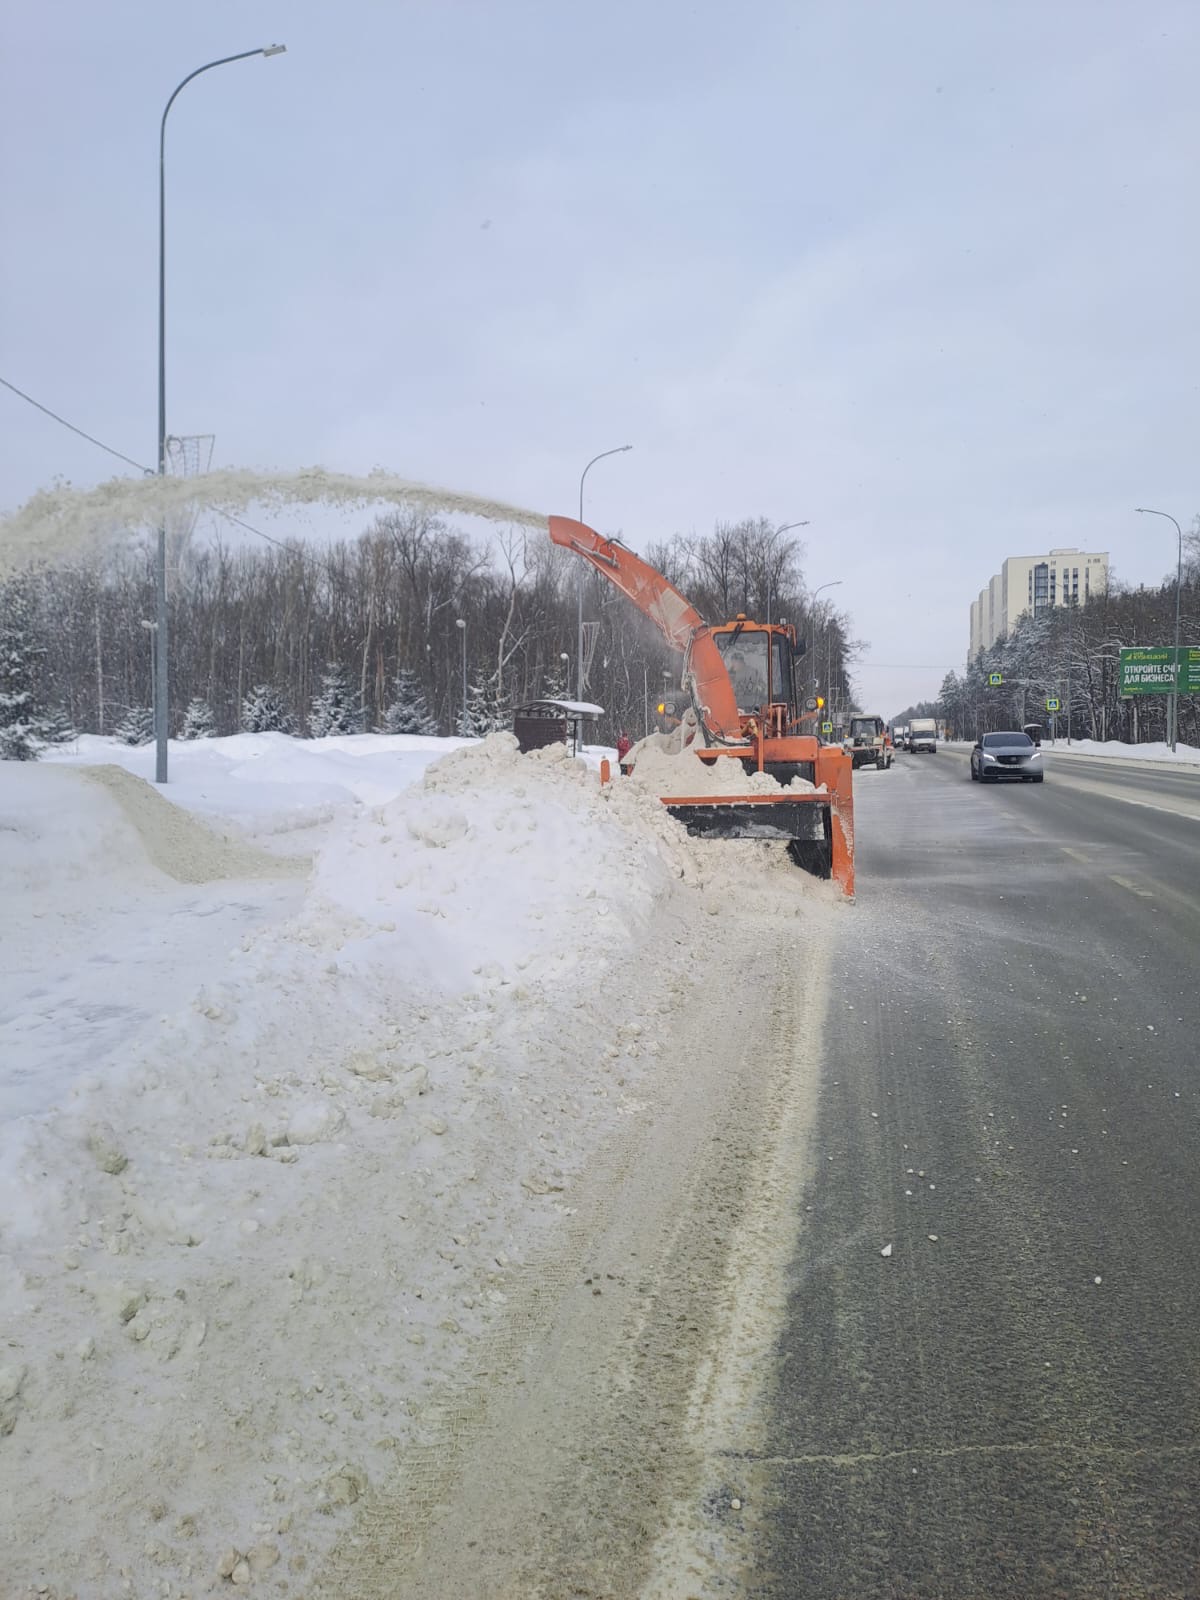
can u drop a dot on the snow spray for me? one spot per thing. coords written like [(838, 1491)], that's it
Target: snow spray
[(64, 521)]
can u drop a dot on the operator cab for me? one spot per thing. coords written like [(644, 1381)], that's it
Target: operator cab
[(760, 661)]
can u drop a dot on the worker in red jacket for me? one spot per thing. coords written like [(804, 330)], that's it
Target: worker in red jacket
[(624, 745)]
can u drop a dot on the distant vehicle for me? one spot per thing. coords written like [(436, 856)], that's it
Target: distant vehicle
[(1000, 757), (868, 743), (922, 735), (1034, 730)]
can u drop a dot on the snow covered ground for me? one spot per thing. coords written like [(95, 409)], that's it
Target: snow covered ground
[(296, 1057), (1186, 754)]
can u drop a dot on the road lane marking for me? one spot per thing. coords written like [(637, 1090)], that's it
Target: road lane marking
[(1076, 855), (1127, 883), (1097, 786)]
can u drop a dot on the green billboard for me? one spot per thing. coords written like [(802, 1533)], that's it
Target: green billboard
[(1150, 671)]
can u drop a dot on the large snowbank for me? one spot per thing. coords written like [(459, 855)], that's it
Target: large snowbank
[(290, 1083), (1185, 753)]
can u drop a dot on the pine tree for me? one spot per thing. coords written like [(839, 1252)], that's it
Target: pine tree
[(409, 710), (22, 730), (57, 727), (263, 711), (335, 706), (499, 707), (198, 721), (473, 720), (136, 726), (555, 685), (486, 710)]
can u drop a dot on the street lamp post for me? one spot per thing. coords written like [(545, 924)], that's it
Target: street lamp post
[(832, 584), (770, 553), (1173, 703), (160, 685), (460, 624), (620, 450)]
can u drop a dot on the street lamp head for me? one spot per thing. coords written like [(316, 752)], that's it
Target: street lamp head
[(274, 50), (459, 622)]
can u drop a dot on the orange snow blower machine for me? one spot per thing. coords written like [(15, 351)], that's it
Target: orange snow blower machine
[(741, 680)]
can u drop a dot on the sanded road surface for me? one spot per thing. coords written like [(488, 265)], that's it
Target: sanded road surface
[(1007, 1402)]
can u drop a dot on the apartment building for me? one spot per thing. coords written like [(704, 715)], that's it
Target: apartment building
[(1035, 583)]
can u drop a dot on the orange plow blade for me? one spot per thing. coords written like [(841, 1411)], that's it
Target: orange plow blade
[(817, 827)]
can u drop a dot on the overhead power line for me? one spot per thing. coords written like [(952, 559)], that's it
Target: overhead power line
[(149, 471), (99, 443)]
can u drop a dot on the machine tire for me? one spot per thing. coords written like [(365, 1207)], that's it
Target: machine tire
[(974, 774)]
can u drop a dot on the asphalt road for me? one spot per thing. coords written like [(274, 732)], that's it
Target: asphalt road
[(1008, 1403)]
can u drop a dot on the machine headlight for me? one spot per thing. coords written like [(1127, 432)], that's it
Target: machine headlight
[(987, 757), (1035, 755)]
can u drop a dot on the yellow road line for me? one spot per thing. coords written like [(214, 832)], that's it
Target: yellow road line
[(1126, 883)]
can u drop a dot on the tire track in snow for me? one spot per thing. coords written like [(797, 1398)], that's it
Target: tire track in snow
[(554, 1473)]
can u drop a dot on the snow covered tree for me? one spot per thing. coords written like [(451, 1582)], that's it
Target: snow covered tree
[(136, 726), (198, 721), (409, 711), (22, 731), (335, 706), (486, 710), (473, 720), (263, 711), (57, 727), (499, 707), (555, 685)]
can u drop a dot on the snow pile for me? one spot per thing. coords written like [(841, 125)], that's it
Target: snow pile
[(272, 1144), (177, 845), (684, 773), (1185, 753)]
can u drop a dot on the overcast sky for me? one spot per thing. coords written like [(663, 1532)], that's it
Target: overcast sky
[(921, 271)]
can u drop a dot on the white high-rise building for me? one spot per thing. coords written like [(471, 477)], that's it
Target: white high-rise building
[(1035, 583)]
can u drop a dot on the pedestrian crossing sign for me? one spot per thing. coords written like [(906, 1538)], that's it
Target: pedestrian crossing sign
[(995, 679), (1053, 705)]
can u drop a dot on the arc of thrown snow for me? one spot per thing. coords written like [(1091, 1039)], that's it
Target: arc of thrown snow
[(59, 521)]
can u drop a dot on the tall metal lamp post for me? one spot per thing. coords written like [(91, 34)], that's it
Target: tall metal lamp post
[(160, 682), (620, 450), (832, 584), (786, 528), (461, 625), (1173, 703)]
